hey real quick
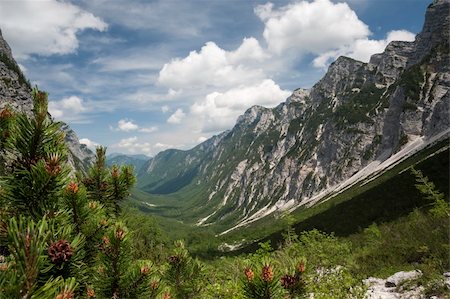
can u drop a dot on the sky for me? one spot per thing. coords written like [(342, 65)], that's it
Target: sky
[(143, 76)]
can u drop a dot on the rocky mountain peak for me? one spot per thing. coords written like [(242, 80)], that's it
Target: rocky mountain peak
[(436, 30), (4, 47), (251, 115)]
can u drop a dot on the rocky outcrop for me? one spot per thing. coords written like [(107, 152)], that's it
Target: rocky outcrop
[(346, 127), (15, 91)]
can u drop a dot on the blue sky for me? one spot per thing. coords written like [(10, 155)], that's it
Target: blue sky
[(144, 76)]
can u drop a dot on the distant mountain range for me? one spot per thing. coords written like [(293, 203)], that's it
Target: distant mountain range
[(357, 121), (121, 159)]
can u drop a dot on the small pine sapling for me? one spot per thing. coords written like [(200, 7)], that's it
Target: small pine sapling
[(184, 275)]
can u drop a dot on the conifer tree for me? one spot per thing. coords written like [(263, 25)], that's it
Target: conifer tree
[(53, 229), (184, 275)]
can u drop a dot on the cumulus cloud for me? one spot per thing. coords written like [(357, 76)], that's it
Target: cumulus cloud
[(362, 49), (45, 27), (126, 125), (133, 145), (214, 66), (68, 109), (176, 117), (219, 111), (89, 143), (310, 27), (321, 28)]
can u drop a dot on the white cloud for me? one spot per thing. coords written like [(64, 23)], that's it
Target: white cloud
[(148, 130), (126, 125), (133, 145), (310, 27), (362, 49), (176, 117), (219, 111), (201, 139), (44, 27), (89, 143), (165, 109), (213, 66), (68, 108)]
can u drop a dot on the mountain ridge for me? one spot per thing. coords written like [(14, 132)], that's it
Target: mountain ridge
[(358, 113)]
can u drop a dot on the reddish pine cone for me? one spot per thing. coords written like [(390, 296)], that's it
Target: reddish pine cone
[(154, 285), (5, 113), (120, 233), (52, 165), (115, 172), (167, 296), (90, 293), (174, 259), (288, 281), (60, 252), (65, 295), (72, 188), (145, 270), (301, 267), (267, 273), (249, 273)]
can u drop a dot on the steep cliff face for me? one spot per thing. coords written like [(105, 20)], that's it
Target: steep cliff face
[(347, 126), (15, 91)]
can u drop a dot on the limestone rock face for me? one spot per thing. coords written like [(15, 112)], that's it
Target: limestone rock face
[(15, 91), (347, 126)]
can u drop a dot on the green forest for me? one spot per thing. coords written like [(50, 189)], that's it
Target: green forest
[(67, 234)]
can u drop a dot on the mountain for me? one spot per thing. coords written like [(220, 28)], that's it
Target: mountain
[(121, 159), (15, 91), (357, 121)]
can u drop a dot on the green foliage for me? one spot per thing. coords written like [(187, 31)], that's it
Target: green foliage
[(10, 64), (109, 187), (184, 275), (58, 231), (264, 285), (117, 275), (358, 105), (37, 172), (412, 80), (441, 207)]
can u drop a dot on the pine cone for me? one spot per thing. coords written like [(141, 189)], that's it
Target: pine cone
[(301, 267), (5, 113), (120, 233), (145, 270), (174, 259), (115, 172), (60, 252), (72, 188), (288, 281), (65, 295), (52, 165), (267, 273), (167, 296), (249, 273), (90, 293)]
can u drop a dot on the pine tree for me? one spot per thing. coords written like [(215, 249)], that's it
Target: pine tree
[(441, 206), (53, 229), (184, 275)]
